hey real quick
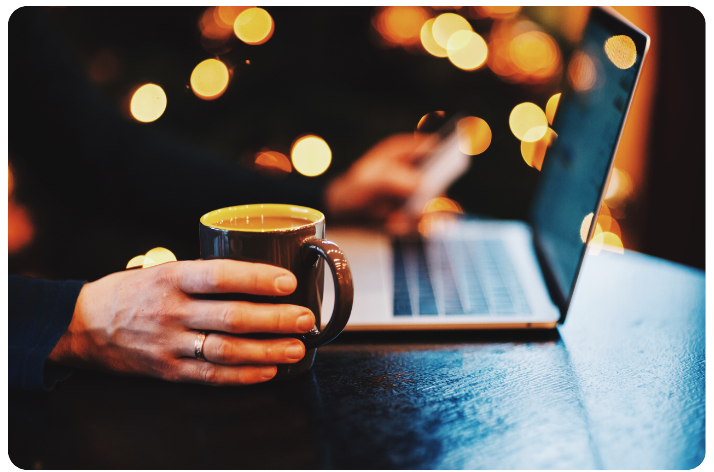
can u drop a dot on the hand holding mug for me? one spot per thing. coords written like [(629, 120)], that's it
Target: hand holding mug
[(146, 321)]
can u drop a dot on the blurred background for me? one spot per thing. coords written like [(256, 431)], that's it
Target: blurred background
[(258, 86)]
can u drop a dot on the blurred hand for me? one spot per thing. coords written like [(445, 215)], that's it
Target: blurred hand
[(145, 322), (378, 183)]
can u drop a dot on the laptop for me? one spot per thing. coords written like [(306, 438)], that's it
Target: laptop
[(486, 274)]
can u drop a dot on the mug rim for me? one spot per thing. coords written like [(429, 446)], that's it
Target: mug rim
[(319, 217)]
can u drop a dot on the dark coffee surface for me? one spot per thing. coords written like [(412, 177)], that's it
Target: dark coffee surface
[(619, 386), (258, 223)]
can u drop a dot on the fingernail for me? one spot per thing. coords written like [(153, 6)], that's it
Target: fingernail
[(268, 372), (305, 323), (294, 352), (284, 284)]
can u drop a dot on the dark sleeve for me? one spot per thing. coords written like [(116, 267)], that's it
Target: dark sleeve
[(39, 312)]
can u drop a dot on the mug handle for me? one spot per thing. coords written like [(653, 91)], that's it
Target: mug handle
[(344, 292)]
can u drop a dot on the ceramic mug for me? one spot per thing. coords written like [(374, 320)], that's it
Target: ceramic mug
[(291, 237)]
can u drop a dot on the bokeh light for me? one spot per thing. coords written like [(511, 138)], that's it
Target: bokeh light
[(621, 50), (216, 35), (534, 152), (609, 224), (272, 163), (431, 122), (474, 135), (254, 26), (534, 52), (605, 241), (498, 12), (400, 25), (528, 122), (467, 50), (428, 41), (311, 155), (226, 16), (442, 204), (619, 187), (447, 24), (582, 72), (585, 226), (551, 107), (20, 231), (148, 103), (156, 256), (209, 79), (137, 261)]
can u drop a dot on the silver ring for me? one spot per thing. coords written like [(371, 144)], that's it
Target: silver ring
[(198, 345)]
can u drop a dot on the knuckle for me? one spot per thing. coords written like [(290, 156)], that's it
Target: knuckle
[(209, 373), (224, 352)]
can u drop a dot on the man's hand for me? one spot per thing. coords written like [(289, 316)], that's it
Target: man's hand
[(378, 183), (145, 322)]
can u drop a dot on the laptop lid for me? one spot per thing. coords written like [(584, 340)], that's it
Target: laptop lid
[(601, 79)]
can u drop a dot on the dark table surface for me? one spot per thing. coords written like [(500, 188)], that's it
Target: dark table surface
[(620, 385)]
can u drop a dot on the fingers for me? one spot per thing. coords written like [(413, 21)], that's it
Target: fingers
[(225, 276), (247, 317), (225, 349), (195, 371)]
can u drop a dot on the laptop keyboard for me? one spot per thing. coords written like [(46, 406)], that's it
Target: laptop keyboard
[(455, 277)]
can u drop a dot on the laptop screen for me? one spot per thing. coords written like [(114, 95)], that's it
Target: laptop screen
[(601, 77)]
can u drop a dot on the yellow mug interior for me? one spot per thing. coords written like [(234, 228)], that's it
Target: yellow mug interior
[(262, 218)]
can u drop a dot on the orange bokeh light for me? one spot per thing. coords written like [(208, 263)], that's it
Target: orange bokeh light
[(226, 16), (209, 79), (400, 25), (431, 122), (551, 107), (621, 50), (273, 161), (442, 204), (474, 135), (534, 152), (582, 72), (254, 26), (428, 41), (20, 231)]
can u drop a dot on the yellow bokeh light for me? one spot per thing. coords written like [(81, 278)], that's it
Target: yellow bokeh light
[(137, 261), (551, 107), (467, 50), (254, 26), (209, 79), (474, 135), (226, 16), (621, 50), (619, 186), (585, 226), (428, 41), (401, 25), (534, 152), (528, 122), (442, 204), (582, 73), (156, 256), (605, 241), (273, 160), (609, 224), (148, 103), (447, 24), (311, 155)]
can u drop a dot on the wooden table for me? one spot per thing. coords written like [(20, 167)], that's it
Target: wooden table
[(620, 385)]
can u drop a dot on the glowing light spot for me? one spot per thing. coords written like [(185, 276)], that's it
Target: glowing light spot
[(311, 155), (582, 73), (273, 161), (20, 231), (148, 103), (137, 261), (431, 122), (400, 25), (447, 24), (534, 152), (551, 107), (619, 186), (609, 224), (474, 135), (528, 122), (585, 226), (226, 16), (209, 79), (156, 256), (621, 50), (533, 51), (605, 241), (428, 41), (254, 26), (442, 204), (467, 50)]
